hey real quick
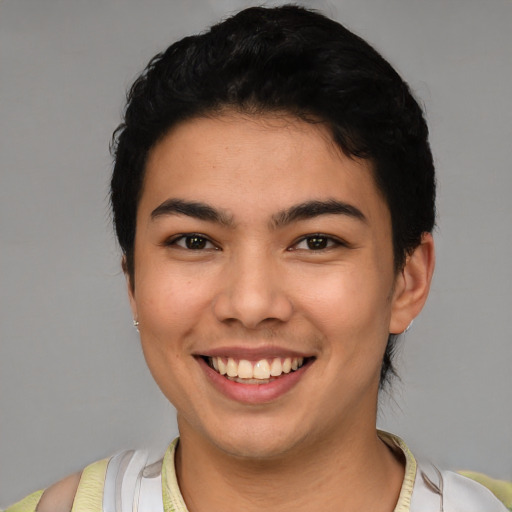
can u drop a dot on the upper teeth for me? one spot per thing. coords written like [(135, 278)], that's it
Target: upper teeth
[(261, 370)]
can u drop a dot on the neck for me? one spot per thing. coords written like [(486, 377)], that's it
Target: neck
[(349, 472)]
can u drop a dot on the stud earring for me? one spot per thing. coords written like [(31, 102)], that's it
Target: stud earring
[(136, 324)]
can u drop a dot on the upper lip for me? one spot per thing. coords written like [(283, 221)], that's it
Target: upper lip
[(252, 353)]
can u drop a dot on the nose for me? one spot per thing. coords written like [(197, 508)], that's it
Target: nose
[(253, 292)]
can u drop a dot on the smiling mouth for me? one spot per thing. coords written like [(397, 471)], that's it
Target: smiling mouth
[(263, 371)]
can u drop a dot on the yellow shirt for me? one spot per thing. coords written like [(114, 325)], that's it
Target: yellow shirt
[(90, 493)]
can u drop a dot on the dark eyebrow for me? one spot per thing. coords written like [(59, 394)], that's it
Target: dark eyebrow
[(311, 209), (193, 209)]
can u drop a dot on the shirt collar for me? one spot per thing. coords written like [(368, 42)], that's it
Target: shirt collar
[(173, 500)]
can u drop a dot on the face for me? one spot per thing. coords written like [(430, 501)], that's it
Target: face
[(263, 284)]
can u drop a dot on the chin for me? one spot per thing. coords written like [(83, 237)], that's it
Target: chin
[(254, 450), (257, 443)]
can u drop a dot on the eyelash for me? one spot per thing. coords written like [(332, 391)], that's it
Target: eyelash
[(190, 236), (202, 240), (330, 241)]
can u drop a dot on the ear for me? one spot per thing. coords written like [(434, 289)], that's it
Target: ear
[(412, 285), (130, 285)]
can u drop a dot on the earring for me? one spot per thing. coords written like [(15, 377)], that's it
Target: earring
[(406, 329), (136, 324)]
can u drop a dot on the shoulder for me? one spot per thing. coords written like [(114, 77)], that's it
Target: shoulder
[(450, 492), (427, 489), (60, 496), (462, 493), (57, 498), (99, 483), (84, 488)]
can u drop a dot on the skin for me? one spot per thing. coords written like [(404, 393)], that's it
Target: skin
[(59, 497), (257, 282)]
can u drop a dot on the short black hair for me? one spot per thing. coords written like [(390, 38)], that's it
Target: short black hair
[(291, 60)]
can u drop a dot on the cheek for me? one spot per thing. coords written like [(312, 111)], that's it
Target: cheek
[(345, 298), (170, 308), (170, 303), (351, 311)]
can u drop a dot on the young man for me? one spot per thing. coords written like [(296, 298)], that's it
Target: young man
[(273, 195)]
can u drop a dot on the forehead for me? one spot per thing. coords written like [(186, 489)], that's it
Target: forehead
[(265, 162)]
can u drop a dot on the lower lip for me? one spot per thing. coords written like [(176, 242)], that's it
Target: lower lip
[(254, 393)]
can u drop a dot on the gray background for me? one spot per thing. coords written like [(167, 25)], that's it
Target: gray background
[(74, 386)]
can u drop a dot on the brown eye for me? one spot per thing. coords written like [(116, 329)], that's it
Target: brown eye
[(316, 243), (195, 242)]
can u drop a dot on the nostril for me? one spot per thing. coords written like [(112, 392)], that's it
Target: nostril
[(251, 302)]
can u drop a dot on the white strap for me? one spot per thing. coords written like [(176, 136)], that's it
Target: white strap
[(466, 495), (130, 486), (150, 499), (428, 491), (115, 469), (446, 491), (123, 481)]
